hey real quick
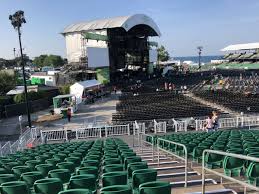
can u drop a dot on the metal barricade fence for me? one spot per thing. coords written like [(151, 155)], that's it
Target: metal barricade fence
[(159, 127), (83, 133), (250, 121), (185, 158), (232, 179), (139, 128), (117, 130), (15, 146), (6, 149), (199, 125), (53, 135), (228, 123), (180, 125)]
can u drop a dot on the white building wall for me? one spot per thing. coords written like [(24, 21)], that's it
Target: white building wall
[(74, 45)]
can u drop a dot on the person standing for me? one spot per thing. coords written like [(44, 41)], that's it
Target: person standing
[(209, 124), (215, 120), (69, 114)]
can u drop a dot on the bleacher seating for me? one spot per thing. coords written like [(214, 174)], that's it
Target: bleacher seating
[(85, 167), (158, 105), (233, 141)]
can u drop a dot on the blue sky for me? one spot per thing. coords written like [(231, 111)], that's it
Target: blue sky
[(184, 24)]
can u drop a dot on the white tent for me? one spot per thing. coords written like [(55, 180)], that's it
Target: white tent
[(78, 88)]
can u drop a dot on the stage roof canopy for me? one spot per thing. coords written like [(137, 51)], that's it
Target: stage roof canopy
[(126, 22)]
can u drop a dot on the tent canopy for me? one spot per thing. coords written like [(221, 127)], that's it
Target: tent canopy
[(89, 83), (238, 47)]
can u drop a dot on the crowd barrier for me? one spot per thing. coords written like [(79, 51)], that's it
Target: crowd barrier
[(27, 137)]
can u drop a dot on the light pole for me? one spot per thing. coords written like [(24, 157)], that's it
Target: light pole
[(199, 52), (17, 19)]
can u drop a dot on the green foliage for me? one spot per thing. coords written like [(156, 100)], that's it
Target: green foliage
[(48, 60), (7, 82), (163, 54), (19, 98), (64, 89)]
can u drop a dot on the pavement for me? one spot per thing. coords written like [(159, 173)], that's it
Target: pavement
[(101, 110)]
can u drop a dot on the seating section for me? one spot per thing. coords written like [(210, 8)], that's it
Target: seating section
[(233, 141), (235, 101), (159, 105), (86, 167)]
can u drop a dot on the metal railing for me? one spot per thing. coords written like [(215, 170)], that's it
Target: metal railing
[(185, 158), (142, 141), (53, 135), (159, 127), (83, 133), (138, 128), (243, 157), (234, 122), (179, 125), (117, 130)]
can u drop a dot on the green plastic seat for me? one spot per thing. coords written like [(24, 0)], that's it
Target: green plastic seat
[(8, 166), (117, 189), (85, 181), (143, 176), (88, 170), (156, 187), (213, 160), (33, 163), (74, 159), (60, 156), (113, 168), (233, 166), (62, 174), (3, 171), (31, 177), (67, 165), (253, 173), (114, 178), (136, 166), (7, 178), (45, 168), (90, 163), (112, 161), (18, 170), (48, 186), (76, 191), (14, 187), (53, 161), (131, 159)]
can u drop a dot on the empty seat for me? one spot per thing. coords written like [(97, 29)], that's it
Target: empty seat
[(114, 178), (117, 189), (156, 187), (48, 186), (14, 187)]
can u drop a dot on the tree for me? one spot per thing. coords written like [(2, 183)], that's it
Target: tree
[(163, 54), (54, 61), (48, 60), (39, 61), (7, 82), (65, 89)]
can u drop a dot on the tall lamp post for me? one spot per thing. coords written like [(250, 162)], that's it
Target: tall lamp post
[(199, 52), (17, 19)]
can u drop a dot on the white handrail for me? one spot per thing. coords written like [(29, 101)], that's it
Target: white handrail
[(204, 169), (185, 159)]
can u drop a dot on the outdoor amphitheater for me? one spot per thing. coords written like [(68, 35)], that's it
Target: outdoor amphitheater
[(155, 142)]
